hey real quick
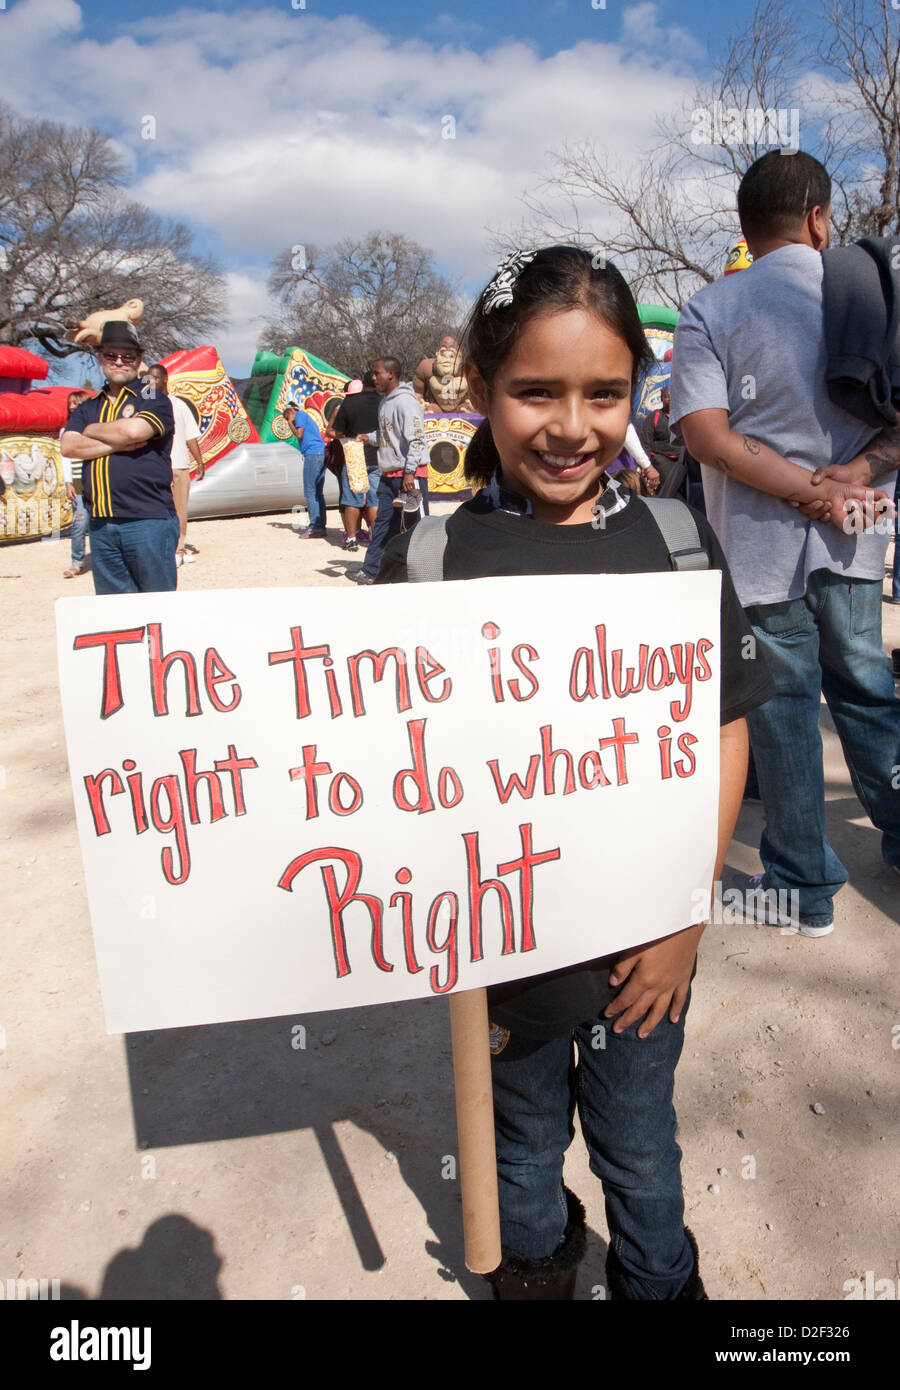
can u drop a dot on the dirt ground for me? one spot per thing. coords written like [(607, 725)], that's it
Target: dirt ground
[(221, 1162)]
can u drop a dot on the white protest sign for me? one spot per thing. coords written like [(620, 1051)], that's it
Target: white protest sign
[(302, 799)]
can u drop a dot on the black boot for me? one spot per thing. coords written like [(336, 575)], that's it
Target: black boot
[(693, 1286), (553, 1277)]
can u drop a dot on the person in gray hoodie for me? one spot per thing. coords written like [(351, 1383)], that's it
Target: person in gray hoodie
[(402, 458)]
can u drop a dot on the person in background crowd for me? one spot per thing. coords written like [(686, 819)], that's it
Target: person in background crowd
[(75, 496), (810, 583), (184, 449), (658, 440), (642, 461), (358, 414), (124, 436), (312, 451), (402, 459)]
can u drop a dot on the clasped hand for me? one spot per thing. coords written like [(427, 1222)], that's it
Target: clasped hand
[(848, 501)]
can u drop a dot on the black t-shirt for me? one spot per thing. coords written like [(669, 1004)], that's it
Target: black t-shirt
[(483, 542), (656, 436), (359, 415)]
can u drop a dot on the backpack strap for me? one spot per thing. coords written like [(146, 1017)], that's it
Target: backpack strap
[(679, 531), (425, 555)]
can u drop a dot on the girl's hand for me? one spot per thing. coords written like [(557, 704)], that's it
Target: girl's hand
[(655, 979)]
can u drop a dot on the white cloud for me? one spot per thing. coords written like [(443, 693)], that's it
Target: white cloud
[(283, 127), (642, 30), (248, 305)]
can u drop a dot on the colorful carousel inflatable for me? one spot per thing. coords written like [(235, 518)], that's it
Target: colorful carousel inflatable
[(33, 500)]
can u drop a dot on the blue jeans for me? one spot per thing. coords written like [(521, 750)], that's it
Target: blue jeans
[(829, 641), (79, 530), (388, 519), (895, 585), (314, 489), (623, 1092), (134, 557)]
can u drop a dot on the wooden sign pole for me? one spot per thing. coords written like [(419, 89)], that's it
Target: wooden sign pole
[(475, 1126)]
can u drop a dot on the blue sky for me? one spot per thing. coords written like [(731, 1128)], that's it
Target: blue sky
[(548, 24), (271, 126)]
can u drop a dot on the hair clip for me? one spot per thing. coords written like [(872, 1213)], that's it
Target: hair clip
[(499, 292)]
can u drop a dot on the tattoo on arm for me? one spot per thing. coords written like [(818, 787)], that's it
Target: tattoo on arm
[(883, 453), (751, 445), (723, 465), (879, 464)]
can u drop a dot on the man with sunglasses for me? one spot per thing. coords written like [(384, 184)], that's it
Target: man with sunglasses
[(124, 436)]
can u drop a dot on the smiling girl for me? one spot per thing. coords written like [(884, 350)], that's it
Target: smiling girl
[(553, 350)]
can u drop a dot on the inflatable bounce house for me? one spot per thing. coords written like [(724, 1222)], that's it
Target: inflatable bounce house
[(33, 501), (198, 376), (298, 378), (659, 330), (295, 378)]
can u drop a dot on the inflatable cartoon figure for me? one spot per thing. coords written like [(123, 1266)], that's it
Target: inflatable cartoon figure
[(90, 327), (738, 258), (439, 381)]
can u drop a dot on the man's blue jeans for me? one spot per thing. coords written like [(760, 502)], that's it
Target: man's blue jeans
[(134, 557), (895, 579), (389, 520), (314, 489), (829, 642), (622, 1087)]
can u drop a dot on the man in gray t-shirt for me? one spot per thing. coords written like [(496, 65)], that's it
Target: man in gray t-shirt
[(748, 387)]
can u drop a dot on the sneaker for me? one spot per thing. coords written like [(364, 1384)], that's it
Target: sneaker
[(350, 543), (188, 558), (765, 905), (363, 578), (312, 535), (178, 560)]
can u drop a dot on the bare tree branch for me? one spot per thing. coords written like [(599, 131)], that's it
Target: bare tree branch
[(364, 298), (670, 216), (71, 243)]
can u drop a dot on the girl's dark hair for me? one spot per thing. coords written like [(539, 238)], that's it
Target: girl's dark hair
[(557, 279)]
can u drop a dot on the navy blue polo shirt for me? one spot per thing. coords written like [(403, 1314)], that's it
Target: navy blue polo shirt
[(137, 485)]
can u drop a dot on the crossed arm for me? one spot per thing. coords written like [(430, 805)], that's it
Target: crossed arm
[(114, 437)]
